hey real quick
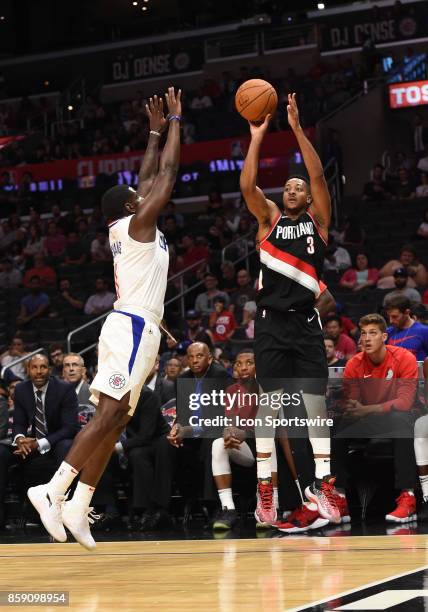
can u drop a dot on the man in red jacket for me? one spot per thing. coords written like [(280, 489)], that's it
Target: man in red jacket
[(379, 388)]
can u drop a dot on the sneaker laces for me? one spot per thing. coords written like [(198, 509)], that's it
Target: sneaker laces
[(327, 490), (266, 495), (92, 517), (405, 499)]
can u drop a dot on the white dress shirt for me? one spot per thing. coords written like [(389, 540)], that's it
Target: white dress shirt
[(43, 443)]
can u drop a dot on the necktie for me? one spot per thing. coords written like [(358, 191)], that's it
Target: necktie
[(41, 429)]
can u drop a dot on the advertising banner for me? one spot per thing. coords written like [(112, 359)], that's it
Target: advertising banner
[(402, 95)]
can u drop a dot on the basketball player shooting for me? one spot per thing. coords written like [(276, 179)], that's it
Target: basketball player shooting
[(129, 340), (288, 336)]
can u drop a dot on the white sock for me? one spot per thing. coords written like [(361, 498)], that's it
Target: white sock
[(424, 485), (226, 499), (264, 465), (82, 495), (275, 497), (322, 467), (62, 479)]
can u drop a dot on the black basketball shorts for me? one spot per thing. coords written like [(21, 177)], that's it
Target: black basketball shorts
[(290, 346)]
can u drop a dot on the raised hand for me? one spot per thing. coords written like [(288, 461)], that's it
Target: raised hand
[(259, 130), (154, 110), (293, 112), (173, 101)]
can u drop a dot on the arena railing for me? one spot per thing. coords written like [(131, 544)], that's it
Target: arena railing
[(21, 359)]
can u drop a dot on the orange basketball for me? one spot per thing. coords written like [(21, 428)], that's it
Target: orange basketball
[(255, 99)]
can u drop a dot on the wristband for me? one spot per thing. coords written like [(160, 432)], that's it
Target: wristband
[(177, 117), (155, 133)]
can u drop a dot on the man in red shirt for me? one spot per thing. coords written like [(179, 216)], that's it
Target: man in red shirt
[(380, 385), (222, 322), (345, 347)]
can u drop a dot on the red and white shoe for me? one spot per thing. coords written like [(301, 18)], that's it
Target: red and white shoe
[(321, 492), (265, 513), (342, 506), (302, 519), (405, 512)]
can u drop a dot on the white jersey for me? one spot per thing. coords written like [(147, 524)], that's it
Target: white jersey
[(140, 270)]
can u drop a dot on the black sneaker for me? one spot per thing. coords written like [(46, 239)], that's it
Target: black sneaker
[(422, 512), (225, 519)]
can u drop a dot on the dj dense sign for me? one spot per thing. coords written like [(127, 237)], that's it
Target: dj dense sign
[(402, 95)]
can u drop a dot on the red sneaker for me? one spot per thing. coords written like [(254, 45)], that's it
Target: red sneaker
[(265, 512), (321, 492), (342, 506), (302, 519), (405, 510)]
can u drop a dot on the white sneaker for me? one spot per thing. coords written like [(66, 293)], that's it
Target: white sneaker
[(50, 510), (77, 520)]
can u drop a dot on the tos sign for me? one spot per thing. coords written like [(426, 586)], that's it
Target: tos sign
[(408, 94)]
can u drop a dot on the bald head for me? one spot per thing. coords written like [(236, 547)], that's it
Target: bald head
[(199, 358)]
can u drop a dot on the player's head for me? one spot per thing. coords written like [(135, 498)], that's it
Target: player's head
[(297, 194), (398, 311), (245, 364), (119, 201), (373, 333)]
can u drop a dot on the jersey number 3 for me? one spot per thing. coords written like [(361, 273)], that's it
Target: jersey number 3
[(310, 248)]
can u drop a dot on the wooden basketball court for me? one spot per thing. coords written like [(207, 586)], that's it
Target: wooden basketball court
[(277, 574)]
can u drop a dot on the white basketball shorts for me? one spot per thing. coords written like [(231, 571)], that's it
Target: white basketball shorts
[(127, 350)]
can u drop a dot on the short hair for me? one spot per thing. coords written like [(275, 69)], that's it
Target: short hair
[(333, 317), (373, 319), (82, 361), (56, 346), (114, 200), (408, 247), (401, 302), (245, 351), (328, 337), (301, 178)]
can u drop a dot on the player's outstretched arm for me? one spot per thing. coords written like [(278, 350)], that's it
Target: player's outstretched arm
[(143, 223), (149, 167), (264, 210), (321, 204)]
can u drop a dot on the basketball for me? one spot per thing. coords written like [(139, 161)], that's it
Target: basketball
[(255, 99)]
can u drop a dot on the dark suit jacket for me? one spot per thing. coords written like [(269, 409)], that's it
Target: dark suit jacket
[(147, 422), (216, 379), (164, 389), (61, 410)]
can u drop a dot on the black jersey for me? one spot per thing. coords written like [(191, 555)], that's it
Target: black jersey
[(292, 257)]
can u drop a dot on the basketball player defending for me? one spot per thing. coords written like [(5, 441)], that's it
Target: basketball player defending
[(130, 336), (288, 336)]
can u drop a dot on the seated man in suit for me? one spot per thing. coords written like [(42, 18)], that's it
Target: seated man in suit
[(44, 425), (195, 441)]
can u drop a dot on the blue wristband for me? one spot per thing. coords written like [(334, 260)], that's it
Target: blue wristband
[(177, 117)]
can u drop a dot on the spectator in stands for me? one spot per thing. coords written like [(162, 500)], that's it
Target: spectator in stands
[(352, 234), (330, 351), (193, 253), (4, 418), (228, 277), (56, 357), (344, 346), (170, 210), (420, 135), (222, 322), (377, 189), (200, 100), (360, 276), (205, 300), (69, 297), (337, 258), (423, 161), (35, 242), (401, 279), (152, 463), (59, 219), (45, 274), (84, 236), (195, 332), (74, 372), (40, 452), (422, 188), (173, 369), (100, 247), (10, 277), (74, 253), (245, 293), (100, 301), (420, 313), (163, 388), (55, 242), (418, 275), (33, 305), (422, 231), (172, 232), (246, 330), (405, 188), (14, 352), (404, 331), (374, 410)]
